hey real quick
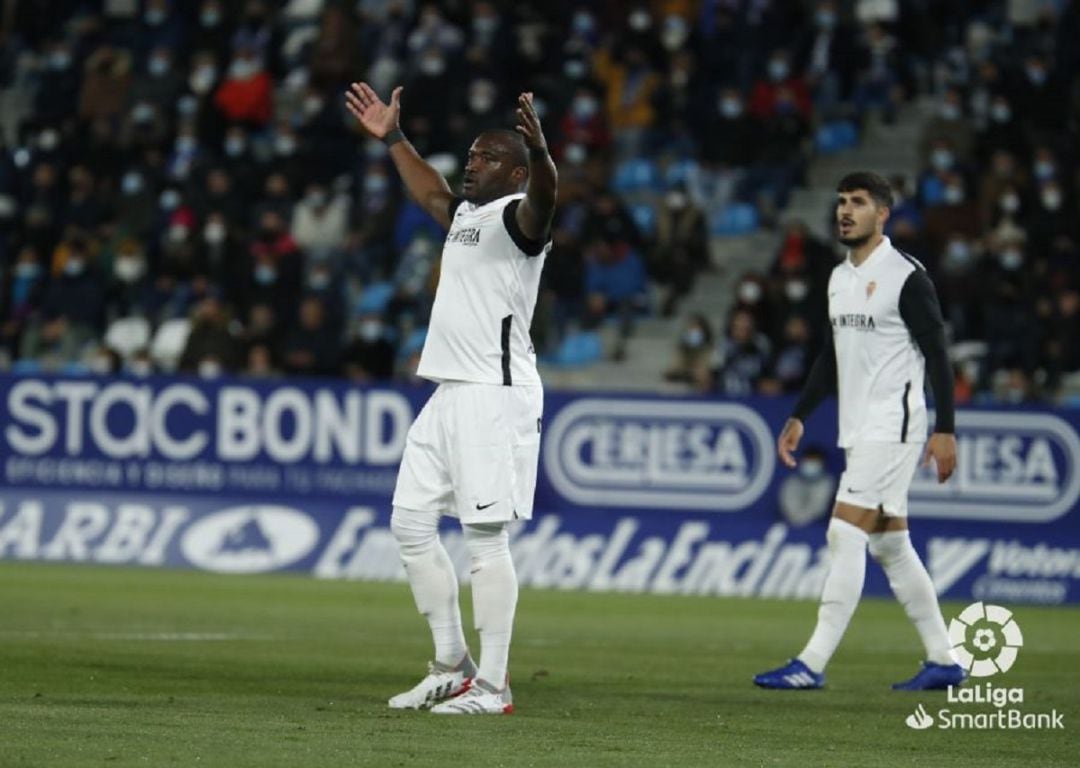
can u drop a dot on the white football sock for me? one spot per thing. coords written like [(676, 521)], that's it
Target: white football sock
[(495, 593), (433, 581), (840, 596), (913, 588)]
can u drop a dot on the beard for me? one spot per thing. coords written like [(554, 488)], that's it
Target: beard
[(855, 241)]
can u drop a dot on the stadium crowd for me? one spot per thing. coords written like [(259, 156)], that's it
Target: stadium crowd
[(185, 191)]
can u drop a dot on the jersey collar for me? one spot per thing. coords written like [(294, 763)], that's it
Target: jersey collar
[(882, 247)]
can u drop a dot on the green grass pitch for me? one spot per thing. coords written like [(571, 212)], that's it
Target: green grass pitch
[(114, 667)]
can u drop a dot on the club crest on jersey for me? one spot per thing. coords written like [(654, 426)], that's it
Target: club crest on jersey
[(870, 288), (464, 236)]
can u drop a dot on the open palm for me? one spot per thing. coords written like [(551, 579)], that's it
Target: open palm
[(377, 117)]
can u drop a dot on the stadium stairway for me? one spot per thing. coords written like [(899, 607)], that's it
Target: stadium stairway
[(886, 149)]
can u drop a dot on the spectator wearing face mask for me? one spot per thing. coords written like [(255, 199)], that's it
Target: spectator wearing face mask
[(58, 91), (246, 94), (158, 81), (24, 287), (680, 250), (312, 348), (320, 220), (369, 356), (877, 84), (1062, 337), (790, 366), (274, 266), (950, 124), (806, 496), (220, 252), (1051, 220), (827, 58), (780, 90), (73, 309), (213, 28), (488, 46), (1039, 96), (584, 127), (129, 289), (211, 348), (1002, 131), (693, 355), (428, 99), (334, 57), (1006, 180), (616, 286), (479, 113), (1011, 328), (743, 356), (959, 291), (631, 91), (956, 213)]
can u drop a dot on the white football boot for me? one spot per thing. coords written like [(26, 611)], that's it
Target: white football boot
[(441, 683), (480, 699)]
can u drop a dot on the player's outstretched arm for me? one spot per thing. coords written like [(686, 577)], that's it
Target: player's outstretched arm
[(381, 120), (819, 384), (536, 211)]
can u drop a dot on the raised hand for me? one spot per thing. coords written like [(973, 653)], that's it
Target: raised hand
[(529, 123), (377, 117)]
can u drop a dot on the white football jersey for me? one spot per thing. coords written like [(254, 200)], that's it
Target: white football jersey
[(879, 368), (488, 281)]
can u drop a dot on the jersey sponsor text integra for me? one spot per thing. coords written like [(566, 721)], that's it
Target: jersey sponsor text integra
[(488, 282)]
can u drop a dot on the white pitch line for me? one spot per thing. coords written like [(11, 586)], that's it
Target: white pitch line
[(168, 637)]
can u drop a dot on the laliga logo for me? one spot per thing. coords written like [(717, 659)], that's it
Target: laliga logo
[(656, 454), (986, 639)]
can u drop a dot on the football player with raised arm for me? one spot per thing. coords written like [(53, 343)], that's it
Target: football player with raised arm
[(472, 452)]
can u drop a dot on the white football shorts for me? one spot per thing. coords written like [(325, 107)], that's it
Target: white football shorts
[(472, 453), (879, 475)]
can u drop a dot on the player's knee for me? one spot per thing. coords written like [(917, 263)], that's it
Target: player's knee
[(415, 531), (890, 547), (487, 542)]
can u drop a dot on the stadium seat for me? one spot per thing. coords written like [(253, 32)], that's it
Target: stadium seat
[(74, 368), (26, 367), (836, 137), (128, 335), (644, 215), (735, 219), (374, 298), (413, 343), (169, 342), (637, 175), (578, 350), (680, 173)]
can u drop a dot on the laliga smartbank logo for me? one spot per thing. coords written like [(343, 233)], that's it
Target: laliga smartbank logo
[(987, 641)]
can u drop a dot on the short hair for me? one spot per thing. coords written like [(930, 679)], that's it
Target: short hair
[(877, 185), (513, 142)]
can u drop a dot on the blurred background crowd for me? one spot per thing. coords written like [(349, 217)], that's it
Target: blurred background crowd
[(181, 188)]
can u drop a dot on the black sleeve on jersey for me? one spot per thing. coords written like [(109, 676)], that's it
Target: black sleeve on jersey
[(922, 315), (821, 382), (528, 246), (455, 203)]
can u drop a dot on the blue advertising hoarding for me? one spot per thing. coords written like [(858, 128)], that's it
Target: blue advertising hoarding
[(635, 493)]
